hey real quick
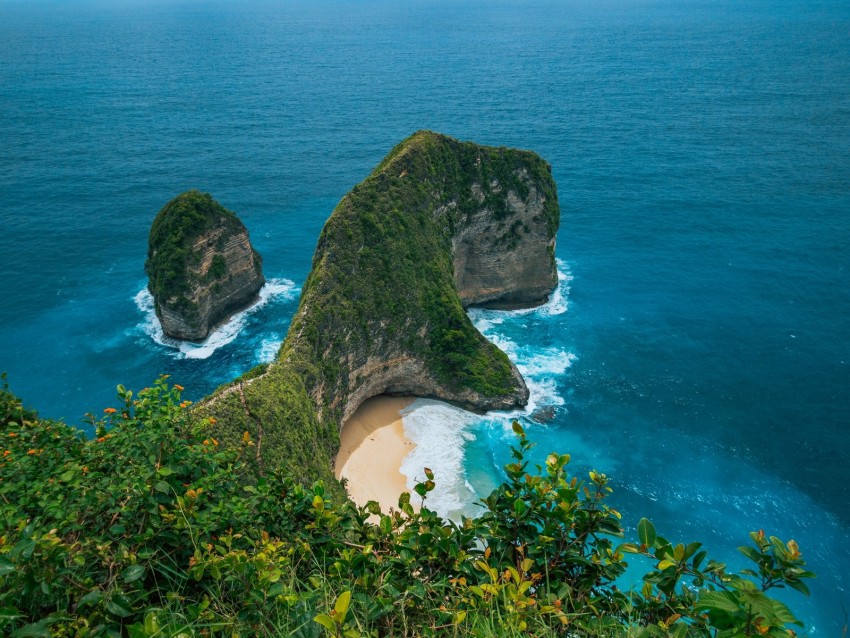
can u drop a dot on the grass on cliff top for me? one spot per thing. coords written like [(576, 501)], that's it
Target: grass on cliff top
[(155, 528)]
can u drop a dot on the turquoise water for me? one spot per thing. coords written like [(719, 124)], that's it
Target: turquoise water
[(701, 352)]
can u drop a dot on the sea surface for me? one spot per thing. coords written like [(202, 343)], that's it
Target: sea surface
[(697, 350)]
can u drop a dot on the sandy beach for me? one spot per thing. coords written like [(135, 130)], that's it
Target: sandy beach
[(372, 449)]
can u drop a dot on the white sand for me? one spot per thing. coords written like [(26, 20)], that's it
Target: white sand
[(372, 449)]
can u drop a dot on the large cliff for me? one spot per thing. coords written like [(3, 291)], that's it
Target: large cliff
[(439, 225), (201, 266)]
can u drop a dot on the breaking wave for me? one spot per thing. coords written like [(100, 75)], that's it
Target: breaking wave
[(273, 289)]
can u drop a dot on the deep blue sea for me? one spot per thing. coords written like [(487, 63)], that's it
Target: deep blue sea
[(698, 348)]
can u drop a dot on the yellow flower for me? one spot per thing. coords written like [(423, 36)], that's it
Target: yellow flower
[(213, 420), (110, 410), (177, 386)]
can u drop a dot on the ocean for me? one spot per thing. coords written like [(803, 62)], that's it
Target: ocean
[(697, 350)]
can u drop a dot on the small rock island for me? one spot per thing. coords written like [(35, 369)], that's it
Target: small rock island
[(201, 266), (440, 225)]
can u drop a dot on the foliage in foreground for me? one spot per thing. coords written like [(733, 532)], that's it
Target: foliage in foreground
[(154, 529)]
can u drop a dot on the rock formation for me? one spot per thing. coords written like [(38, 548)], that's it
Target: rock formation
[(201, 266), (503, 250), (438, 226)]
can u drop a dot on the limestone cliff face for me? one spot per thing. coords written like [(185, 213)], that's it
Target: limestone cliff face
[(506, 263), (438, 226), (201, 265)]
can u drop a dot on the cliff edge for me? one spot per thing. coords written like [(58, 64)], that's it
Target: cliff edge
[(201, 266), (438, 226)]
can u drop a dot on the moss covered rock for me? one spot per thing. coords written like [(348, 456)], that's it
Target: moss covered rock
[(438, 225), (201, 266)]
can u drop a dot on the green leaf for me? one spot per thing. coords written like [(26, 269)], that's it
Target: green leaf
[(691, 549), (325, 621), (92, 598), (751, 553), (274, 575), (781, 612), (646, 533), (137, 630), (277, 589), (133, 573), (719, 600), (35, 630), (165, 471), (10, 613), (520, 507), (799, 586), (119, 606), (517, 428), (341, 605), (23, 548), (152, 626), (163, 487)]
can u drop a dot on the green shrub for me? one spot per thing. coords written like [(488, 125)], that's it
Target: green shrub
[(155, 528)]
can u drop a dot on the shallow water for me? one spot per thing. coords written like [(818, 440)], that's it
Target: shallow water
[(702, 155)]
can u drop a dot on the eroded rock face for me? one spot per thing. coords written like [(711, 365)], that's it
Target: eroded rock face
[(201, 266), (407, 375), (508, 262)]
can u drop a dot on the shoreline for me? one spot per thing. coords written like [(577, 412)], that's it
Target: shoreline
[(372, 448)]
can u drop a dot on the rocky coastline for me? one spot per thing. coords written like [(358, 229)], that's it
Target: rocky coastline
[(440, 225)]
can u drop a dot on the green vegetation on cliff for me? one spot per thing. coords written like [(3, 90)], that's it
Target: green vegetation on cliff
[(155, 528)]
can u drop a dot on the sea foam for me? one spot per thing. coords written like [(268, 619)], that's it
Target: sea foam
[(268, 349), (440, 432), (274, 289), (558, 300)]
